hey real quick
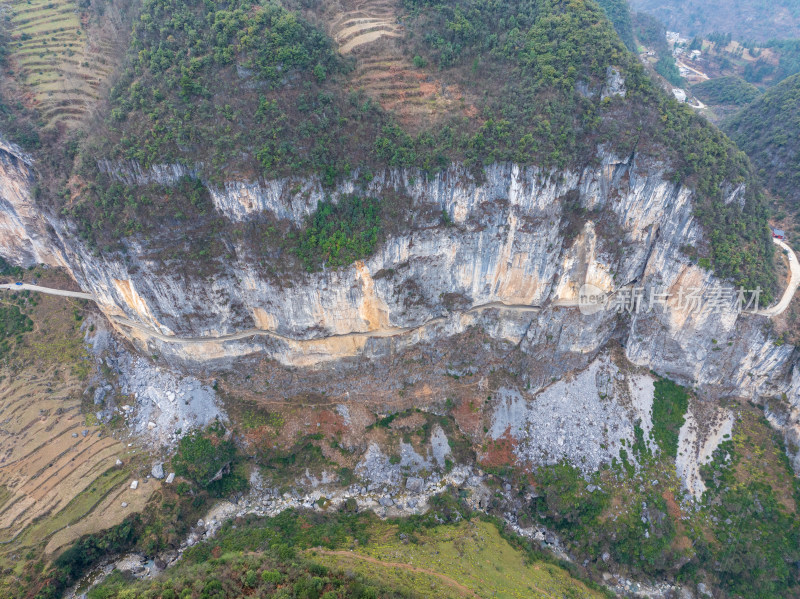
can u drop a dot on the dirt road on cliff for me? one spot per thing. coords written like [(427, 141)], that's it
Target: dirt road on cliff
[(771, 312)]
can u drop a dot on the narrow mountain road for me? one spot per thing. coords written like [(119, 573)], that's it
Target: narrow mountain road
[(776, 310), (379, 333), (791, 288), (680, 63), (48, 290)]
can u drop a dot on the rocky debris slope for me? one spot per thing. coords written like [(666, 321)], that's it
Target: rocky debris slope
[(157, 403), (584, 419), (519, 237)]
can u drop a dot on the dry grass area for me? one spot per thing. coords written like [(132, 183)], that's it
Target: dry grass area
[(372, 34), (59, 58), (107, 513), (58, 473), (468, 560), (762, 459)]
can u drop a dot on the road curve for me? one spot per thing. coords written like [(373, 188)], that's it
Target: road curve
[(791, 288)]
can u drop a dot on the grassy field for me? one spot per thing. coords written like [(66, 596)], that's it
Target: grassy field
[(472, 554), (298, 551), (59, 61), (58, 472)]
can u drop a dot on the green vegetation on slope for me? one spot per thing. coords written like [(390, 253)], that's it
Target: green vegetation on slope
[(626, 508), (769, 131), (765, 71), (745, 19), (670, 402), (235, 89), (726, 90), (297, 553), (341, 233), (8, 270), (651, 33), (208, 459), (162, 525), (619, 14), (14, 322), (281, 107), (529, 59), (752, 497), (611, 513), (667, 68), (788, 58), (86, 552), (261, 575), (301, 120), (175, 94), (743, 535)]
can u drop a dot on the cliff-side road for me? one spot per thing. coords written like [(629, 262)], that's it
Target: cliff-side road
[(776, 310), (49, 290), (378, 333), (791, 288)]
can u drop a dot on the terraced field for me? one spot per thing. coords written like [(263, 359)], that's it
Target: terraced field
[(365, 23), (46, 462), (59, 62), (370, 32), (58, 473)]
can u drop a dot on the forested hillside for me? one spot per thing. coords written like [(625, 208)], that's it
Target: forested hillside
[(726, 90), (263, 93), (651, 33), (769, 131), (746, 19), (619, 14)]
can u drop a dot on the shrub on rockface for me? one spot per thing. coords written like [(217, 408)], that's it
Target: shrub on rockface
[(338, 234), (208, 459), (670, 402)]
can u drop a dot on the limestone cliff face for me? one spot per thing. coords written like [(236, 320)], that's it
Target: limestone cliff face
[(509, 263), (24, 235), (506, 246)]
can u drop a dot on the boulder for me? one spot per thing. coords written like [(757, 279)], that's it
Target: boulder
[(414, 484)]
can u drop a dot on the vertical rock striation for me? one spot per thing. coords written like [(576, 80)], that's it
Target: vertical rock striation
[(520, 238)]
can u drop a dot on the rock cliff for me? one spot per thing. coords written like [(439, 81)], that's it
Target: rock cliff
[(519, 245), (25, 237)]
